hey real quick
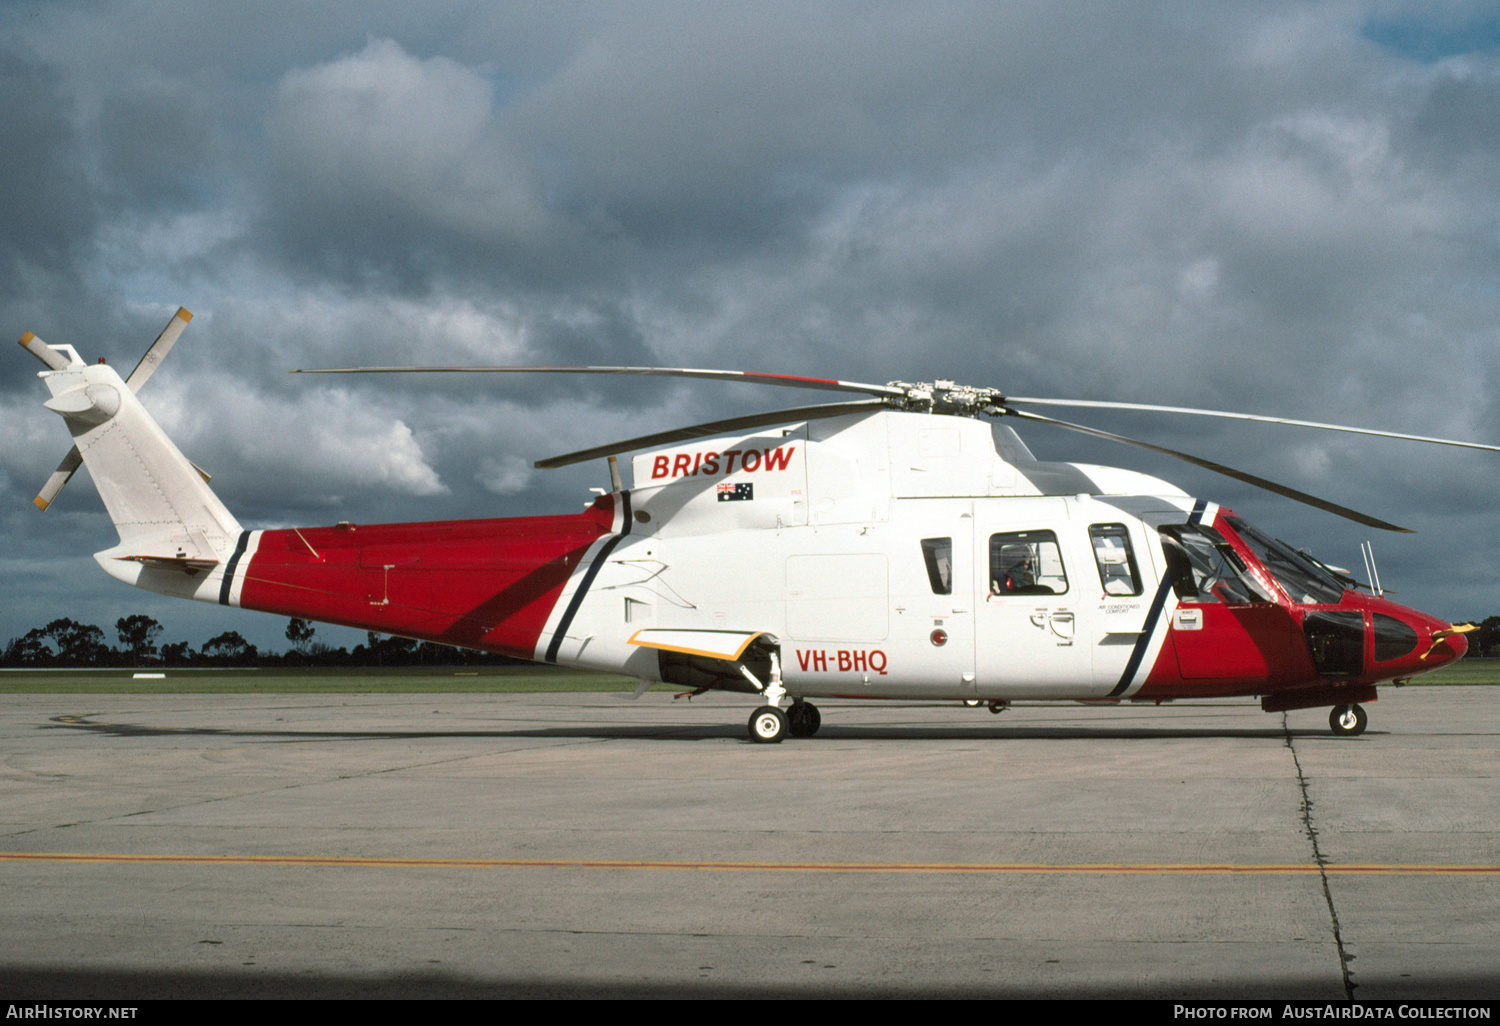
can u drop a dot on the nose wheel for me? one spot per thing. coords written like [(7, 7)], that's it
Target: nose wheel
[(768, 725), (1348, 720)]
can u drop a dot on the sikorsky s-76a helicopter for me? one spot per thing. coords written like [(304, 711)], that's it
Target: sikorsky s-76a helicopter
[(890, 546)]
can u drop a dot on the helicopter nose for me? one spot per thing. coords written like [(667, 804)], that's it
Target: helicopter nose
[(1448, 644), (1409, 642)]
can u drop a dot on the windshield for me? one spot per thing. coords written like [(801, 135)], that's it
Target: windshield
[(1205, 568), (1305, 582)]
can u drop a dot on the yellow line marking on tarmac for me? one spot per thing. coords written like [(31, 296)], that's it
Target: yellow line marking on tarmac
[(1093, 868)]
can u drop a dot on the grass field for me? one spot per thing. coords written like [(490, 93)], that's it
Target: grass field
[(420, 680)]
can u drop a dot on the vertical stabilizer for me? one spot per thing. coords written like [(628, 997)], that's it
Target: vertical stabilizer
[(175, 534)]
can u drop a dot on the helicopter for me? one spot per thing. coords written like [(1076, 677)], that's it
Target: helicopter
[(892, 546)]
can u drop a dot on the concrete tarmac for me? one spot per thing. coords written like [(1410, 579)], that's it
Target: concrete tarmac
[(586, 845)]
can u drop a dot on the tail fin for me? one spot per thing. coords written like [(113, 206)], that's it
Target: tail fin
[(175, 534)]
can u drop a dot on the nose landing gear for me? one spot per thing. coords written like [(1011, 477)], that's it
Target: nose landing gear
[(768, 725), (1348, 720)]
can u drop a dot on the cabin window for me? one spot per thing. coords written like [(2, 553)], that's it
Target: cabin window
[(1118, 574), (1206, 568), (937, 553), (1026, 563)]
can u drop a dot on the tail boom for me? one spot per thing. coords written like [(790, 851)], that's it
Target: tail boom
[(484, 584)]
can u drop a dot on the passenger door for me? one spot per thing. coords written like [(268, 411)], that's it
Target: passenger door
[(1032, 629)]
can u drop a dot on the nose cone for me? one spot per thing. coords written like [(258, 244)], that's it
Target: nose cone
[(1447, 645), (1407, 642)]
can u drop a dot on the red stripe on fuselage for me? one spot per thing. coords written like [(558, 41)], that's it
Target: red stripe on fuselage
[(487, 584)]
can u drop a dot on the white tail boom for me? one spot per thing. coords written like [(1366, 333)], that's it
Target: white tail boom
[(175, 534)]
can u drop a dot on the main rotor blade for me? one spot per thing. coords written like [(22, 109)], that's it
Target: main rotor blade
[(1099, 404), (717, 427), (1219, 468), (786, 380)]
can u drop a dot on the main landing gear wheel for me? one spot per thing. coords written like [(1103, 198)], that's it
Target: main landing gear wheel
[(1348, 720), (768, 725), (804, 719)]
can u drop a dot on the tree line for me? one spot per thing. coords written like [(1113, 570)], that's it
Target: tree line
[(1485, 642), (65, 643)]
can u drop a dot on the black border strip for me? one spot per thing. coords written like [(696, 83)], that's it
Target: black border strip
[(234, 561), (588, 580), (1157, 604)]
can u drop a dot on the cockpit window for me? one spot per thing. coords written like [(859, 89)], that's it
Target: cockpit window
[(1306, 583), (938, 555), (1205, 568), (1026, 563), (1117, 570)]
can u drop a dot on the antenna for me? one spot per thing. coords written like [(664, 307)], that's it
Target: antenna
[(1368, 551)]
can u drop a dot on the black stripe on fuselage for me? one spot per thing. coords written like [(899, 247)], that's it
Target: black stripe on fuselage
[(234, 561), (588, 580), (1157, 605)]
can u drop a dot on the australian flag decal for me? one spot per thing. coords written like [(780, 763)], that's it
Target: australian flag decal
[(740, 492)]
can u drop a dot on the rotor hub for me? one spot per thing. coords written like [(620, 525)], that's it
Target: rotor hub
[(947, 397)]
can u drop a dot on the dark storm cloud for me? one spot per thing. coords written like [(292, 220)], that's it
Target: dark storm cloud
[(45, 205), (155, 146)]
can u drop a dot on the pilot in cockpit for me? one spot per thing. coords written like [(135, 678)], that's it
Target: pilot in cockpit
[(1016, 571)]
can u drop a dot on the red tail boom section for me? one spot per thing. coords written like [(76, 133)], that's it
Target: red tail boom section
[(485, 584)]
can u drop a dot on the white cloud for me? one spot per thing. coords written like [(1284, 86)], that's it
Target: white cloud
[(394, 148), (504, 475)]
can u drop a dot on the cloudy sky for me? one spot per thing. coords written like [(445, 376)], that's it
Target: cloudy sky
[(1286, 209)]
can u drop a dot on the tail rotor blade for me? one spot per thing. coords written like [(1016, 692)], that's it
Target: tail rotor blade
[(61, 476), (159, 349), (42, 351), (1219, 468)]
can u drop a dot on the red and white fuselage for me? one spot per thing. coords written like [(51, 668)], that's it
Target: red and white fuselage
[(869, 548)]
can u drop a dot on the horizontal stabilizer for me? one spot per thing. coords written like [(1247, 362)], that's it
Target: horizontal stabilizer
[(185, 564)]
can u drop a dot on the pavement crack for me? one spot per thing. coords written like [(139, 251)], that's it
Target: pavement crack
[(1322, 861)]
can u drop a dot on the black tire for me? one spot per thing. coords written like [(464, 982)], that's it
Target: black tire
[(768, 725), (803, 719), (1348, 720)]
